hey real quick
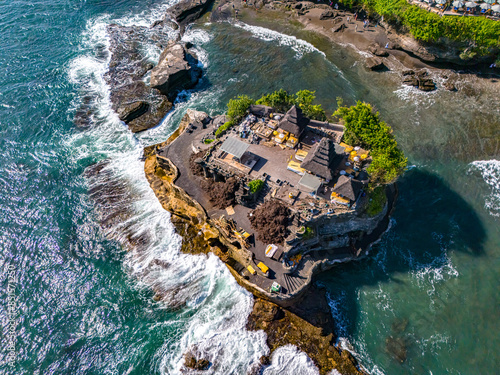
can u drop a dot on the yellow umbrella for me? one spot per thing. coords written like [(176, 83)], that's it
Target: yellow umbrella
[(353, 153), (364, 156)]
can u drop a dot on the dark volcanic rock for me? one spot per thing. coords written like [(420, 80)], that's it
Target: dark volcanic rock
[(418, 79), (450, 86), (374, 63), (139, 106), (196, 364), (188, 10), (175, 71)]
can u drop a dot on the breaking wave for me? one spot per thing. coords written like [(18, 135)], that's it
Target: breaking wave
[(301, 47), (210, 308), (490, 171)]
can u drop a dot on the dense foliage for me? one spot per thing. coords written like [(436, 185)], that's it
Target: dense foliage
[(236, 109), (281, 101), (255, 186), (363, 127), (376, 202), (481, 33)]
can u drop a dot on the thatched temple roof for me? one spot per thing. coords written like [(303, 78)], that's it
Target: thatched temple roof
[(293, 121), (348, 187), (323, 158)]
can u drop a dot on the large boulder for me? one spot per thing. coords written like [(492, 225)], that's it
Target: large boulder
[(377, 51), (139, 106), (374, 63), (419, 79), (188, 10), (176, 70)]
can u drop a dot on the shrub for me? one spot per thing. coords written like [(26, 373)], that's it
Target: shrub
[(280, 100), (255, 186), (208, 141), (222, 129), (377, 199), (236, 108), (430, 27)]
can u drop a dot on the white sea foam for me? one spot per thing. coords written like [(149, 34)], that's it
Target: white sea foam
[(290, 360), (212, 308), (300, 46), (490, 171)]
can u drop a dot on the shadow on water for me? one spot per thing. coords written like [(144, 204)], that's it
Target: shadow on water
[(430, 220)]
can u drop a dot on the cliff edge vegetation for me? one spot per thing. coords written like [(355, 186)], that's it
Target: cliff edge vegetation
[(479, 36)]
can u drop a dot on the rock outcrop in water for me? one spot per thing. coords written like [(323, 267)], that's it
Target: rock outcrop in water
[(176, 70), (188, 11), (138, 104)]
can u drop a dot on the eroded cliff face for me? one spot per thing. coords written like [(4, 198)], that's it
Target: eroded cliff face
[(284, 328)]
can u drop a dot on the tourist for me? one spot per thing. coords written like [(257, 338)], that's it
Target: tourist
[(348, 19), (336, 6), (387, 45), (356, 28), (355, 16)]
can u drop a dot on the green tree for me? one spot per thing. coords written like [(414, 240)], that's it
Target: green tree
[(236, 108), (280, 100), (304, 99), (364, 127), (255, 186)]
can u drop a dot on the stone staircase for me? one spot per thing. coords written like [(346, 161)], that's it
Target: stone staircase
[(292, 283)]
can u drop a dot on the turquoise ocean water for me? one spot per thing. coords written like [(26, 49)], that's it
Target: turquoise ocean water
[(81, 303)]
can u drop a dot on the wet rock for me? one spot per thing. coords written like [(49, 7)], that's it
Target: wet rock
[(265, 360), (133, 110), (196, 364), (286, 328), (449, 85), (419, 79), (426, 84), (399, 325), (139, 106), (396, 347), (188, 11), (174, 71), (374, 63), (410, 80)]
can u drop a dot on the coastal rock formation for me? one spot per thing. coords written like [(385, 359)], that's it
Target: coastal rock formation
[(283, 328), (418, 79), (196, 364), (176, 70), (188, 11), (377, 51), (327, 14), (139, 106), (374, 63)]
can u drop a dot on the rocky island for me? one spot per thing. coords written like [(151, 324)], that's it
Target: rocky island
[(278, 197), (274, 188)]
